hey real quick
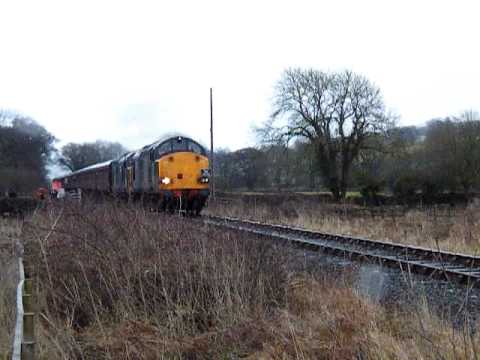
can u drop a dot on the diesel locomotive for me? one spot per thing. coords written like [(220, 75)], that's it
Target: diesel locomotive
[(171, 174)]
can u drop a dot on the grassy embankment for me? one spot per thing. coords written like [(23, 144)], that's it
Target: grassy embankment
[(117, 282), (444, 227)]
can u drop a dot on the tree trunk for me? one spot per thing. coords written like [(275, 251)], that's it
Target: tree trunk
[(335, 189), (344, 175), (329, 170), (343, 190), (466, 190)]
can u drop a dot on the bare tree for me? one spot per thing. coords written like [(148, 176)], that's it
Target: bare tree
[(336, 112), (77, 156), (469, 115)]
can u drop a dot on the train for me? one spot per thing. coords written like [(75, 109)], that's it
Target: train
[(170, 174)]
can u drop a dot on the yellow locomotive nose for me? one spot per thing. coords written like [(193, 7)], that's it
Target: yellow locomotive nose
[(182, 171)]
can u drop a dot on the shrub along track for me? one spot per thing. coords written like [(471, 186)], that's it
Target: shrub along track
[(438, 264)]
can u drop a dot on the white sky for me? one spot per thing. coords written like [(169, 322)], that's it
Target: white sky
[(130, 71)]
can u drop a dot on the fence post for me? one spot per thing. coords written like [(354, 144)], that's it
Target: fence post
[(28, 341)]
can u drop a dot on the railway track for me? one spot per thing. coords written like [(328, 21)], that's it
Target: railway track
[(439, 264)]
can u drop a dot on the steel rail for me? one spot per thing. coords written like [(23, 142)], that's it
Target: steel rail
[(436, 263)]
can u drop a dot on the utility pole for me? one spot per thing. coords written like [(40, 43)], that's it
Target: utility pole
[(212, 175)]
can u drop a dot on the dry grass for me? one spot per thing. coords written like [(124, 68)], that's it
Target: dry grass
[(9, 232), (119, 283), (108, 270), (325, 322), (441, 227)]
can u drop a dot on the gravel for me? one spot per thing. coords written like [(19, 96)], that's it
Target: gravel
[(396, 289)]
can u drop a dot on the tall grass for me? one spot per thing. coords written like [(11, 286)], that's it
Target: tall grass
[(9, 233), (117, 282), (109, 267)]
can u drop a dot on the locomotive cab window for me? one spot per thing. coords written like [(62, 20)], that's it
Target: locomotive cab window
[(164, 148), (194, 147), (179, 144)]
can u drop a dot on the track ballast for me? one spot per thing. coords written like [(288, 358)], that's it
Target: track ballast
[(439, 264)]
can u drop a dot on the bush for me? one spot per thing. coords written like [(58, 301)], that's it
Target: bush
[(405, 188)]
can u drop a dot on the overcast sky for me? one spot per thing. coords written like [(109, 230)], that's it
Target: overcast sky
[(130, 71)]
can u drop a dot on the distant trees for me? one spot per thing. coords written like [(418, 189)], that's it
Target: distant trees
[(441, 157), (224, 169), (244, 168), (25, 151), (335, 112), (290, 166), (368, 169), (77, 156), (275, 167)]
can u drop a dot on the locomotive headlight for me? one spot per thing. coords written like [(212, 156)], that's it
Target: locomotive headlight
[(205, 176), (166, 180)]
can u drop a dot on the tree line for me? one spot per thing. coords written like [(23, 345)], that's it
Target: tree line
[(441, 157), (25, 151), (331, 131), (328, 131), (28, 151)]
